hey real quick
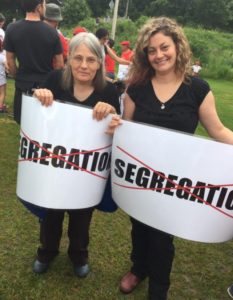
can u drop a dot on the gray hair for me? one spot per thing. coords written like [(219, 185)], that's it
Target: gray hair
[(93, 44)]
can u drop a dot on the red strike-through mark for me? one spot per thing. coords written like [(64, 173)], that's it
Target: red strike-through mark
[(175, 185), (61, 157)]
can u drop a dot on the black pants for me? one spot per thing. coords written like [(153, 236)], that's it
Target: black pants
[(20, 88), (152, 255), (17, 104), (78, 233)]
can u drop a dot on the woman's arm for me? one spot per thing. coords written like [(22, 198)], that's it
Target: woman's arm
[(210, 120), (115, 57)]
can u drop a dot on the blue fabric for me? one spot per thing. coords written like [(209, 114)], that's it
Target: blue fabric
[(38, 211), (107, 204)]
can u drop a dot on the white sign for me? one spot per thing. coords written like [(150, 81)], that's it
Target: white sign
[(64, 155), (122, 72), (174, 182)]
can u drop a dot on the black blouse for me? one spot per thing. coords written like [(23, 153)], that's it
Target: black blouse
[(180, 112), (108, 94)]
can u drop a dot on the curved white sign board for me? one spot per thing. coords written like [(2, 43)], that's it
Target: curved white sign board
[(64, 155), (158, 177)]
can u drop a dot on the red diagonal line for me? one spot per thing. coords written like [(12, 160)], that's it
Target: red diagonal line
[(52, 155), (176, 186)]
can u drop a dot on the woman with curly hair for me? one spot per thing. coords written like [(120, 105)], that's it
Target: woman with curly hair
[(162, 92)]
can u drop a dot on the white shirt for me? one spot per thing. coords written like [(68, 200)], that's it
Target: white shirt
[(2, 34)]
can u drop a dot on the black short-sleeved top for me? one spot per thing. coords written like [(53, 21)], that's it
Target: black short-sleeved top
[(34, 43), (180, 111), (108, 94)]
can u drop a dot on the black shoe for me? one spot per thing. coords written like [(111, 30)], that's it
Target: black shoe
[(39, 267), (230, 291), (81, 271)]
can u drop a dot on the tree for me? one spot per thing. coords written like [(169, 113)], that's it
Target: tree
[(75, 11), (99, 7)]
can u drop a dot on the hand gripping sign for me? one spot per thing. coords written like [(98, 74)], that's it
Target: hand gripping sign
[(64, 155), (174, 182)]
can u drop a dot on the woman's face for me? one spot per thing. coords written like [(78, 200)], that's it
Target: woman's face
[(103, 40), (84, 65), (162, 53)]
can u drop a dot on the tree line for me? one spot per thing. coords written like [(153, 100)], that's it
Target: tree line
[(210, 14)]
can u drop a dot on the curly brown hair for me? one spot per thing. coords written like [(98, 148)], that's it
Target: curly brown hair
[(141, 70)]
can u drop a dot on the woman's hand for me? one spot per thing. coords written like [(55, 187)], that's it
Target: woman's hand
[(45, 96), (102, 110), (115, 122)]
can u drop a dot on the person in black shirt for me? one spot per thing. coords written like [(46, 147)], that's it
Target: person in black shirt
[(82, 81), (33, 49), (162, 92)]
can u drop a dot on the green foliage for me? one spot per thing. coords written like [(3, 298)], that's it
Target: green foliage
[(98, 7), (214, 49), (140, 21), (75, 11)]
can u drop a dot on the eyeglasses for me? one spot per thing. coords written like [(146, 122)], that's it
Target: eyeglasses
[(90, 61)]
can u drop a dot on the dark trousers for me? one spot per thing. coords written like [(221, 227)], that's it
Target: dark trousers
[(17, 104), (20, 88), (78, 233), (152, 255)]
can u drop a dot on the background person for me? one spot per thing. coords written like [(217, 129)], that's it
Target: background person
[(127, 54), (36, 48), (110, 62), (3, 80), (2, 22), (162, 92), (103, 36), (52, 17), (83, 82), (196, 68), (79, 29)]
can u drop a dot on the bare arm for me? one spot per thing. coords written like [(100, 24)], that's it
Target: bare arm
[(58, 61), (210, 120), (11, 63), (115, 57)]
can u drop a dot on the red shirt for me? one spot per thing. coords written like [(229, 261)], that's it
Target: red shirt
[(109, 63), (128, 54), (65, 45)]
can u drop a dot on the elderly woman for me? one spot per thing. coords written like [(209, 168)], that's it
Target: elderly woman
[(83, 82)]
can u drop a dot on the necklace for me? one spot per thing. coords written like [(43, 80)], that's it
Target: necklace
[(162, 106)]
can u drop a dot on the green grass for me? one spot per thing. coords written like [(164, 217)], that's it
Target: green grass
[(200, 271)]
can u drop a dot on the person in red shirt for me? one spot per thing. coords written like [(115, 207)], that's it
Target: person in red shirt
[(127, 54), (79, 29), (109, 61), (52, 17)]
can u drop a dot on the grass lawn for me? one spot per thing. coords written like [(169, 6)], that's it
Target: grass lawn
[(200, 271)]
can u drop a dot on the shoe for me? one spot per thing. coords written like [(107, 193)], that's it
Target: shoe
[(3, 108), (129, 282), (39, 267), (81, 271), (230, 291)]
